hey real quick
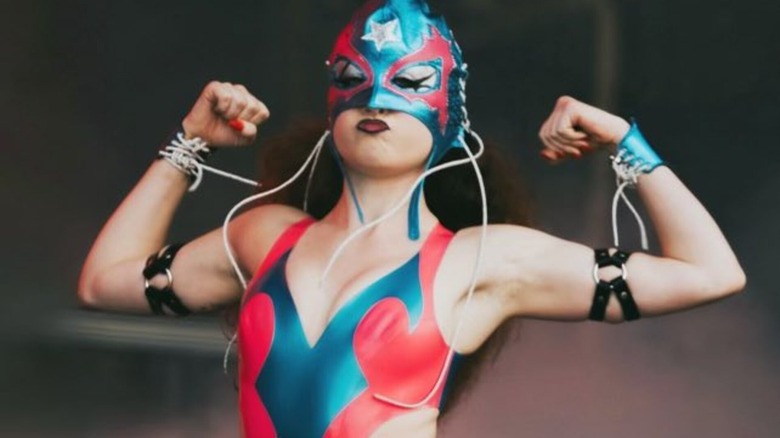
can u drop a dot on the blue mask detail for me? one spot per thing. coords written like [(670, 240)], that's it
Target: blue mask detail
[(398, 55)]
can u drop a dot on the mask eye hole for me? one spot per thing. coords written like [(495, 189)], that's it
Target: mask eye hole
[(420, 78), (345, 74)]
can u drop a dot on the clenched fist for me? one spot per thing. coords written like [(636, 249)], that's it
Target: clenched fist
[(574, 128), (225, 115)]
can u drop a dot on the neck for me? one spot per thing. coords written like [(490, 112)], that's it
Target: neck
[(377, 196)]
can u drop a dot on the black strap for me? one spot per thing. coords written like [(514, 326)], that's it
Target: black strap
[(156, 264), (618, 286)]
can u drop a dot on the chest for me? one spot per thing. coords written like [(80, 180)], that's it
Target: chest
[(312, 313), (383, 340), (324, 289)]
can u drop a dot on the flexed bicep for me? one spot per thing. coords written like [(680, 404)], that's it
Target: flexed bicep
[(194, 278), (537, 275)]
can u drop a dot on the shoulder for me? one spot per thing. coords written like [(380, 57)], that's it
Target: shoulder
[(522, 272), (253, 233), (505, 247), (502, 271), (513, 256), (502, 238)]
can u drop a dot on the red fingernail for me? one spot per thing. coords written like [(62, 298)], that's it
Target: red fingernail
[(237, 125)]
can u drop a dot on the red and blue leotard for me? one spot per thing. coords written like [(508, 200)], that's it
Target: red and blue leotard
[(385, 340)]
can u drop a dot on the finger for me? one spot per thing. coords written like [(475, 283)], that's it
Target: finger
[(222, 97), (564, 148), (545, 135), (556, 123), (572, 141), (549, 154), (584, 146), (572, 151), (553, 143), (237, 104), (255, 112), (570, 133), (242, 97), (560, 126), (565, 130), (243, 127), (251, 108)]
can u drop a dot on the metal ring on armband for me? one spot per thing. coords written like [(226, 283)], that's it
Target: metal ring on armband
[(618, 286), (156, 264)]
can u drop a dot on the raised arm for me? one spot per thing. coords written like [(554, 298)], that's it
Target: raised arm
[(532, 274), (111, 277)]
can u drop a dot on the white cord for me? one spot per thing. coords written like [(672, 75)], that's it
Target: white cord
[(228, 250), (627, 176), (472, 158), (187, 156), (229, 175), (313, 156), (308, 182)]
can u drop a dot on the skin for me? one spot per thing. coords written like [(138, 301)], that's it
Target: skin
[(695, 265)]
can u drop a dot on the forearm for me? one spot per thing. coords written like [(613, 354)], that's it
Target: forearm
[(686, 231), (139, 225)]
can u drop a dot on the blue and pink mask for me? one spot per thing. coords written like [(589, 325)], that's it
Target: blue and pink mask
[(398, 55)]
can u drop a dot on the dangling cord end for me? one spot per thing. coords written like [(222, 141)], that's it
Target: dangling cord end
[(238, 206), (472, 158), (634, 157), (189, 156), (620, 194), (227, 352)]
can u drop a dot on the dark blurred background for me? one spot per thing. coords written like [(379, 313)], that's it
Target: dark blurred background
[(89, 89)]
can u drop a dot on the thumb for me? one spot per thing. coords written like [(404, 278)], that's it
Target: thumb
[(603, 126), (246, 129)]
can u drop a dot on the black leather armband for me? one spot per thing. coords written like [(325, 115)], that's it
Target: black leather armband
[(618, 286), (156, 264)]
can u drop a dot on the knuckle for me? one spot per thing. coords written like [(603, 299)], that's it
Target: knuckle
[(564, 101), (252, 110), (223, 102)]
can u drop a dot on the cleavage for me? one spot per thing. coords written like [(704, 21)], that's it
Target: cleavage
[(350, 276)]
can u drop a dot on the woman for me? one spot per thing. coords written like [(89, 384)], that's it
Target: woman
[(357, 335)]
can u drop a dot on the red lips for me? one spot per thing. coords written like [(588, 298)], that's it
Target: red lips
[(372, 126)]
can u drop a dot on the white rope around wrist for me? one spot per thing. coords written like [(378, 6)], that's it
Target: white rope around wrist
[(189, 157)]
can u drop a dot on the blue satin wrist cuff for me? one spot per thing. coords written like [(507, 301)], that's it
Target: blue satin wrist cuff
[(635, 152)]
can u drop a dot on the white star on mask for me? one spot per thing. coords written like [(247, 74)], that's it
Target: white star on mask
[(382, 34)]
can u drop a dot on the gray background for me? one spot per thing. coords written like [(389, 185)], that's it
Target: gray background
[(89, 89)]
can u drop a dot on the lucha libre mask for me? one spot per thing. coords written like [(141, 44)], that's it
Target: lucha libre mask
[(398, 55)]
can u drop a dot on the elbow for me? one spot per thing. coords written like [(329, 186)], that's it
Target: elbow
[(728, 282), (87, 291), (86, 296), (737, 282)]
